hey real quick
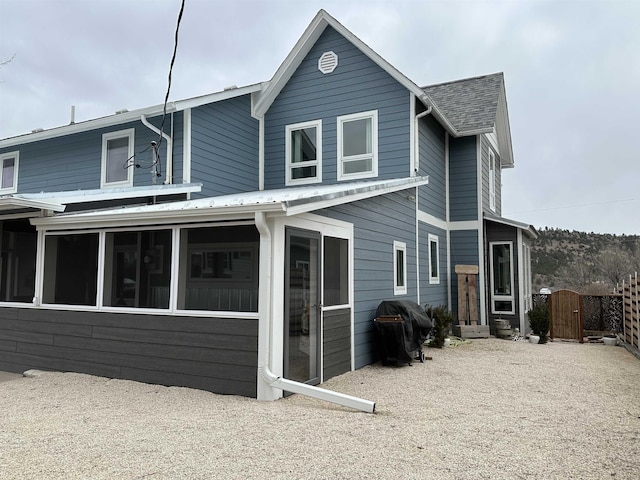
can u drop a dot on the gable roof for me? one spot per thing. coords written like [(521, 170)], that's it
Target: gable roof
[(308, 39), (469, 104), (474, 106)]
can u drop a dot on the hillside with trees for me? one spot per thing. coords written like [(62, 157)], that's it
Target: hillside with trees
[(584, 262)]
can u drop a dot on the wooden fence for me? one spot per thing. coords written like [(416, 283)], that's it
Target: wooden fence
[(631, 310)]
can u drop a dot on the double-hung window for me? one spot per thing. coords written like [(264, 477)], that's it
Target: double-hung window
[(399, 268), (9, 172), (303, 146), (502, 284), (358, 145), (117, 159)]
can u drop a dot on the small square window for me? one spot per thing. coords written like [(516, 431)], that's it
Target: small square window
[(9, 172), (358, 145), (400, 268), (303, 146), (117, 155)]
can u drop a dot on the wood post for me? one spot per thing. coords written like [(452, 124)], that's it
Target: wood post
[(467, 294)]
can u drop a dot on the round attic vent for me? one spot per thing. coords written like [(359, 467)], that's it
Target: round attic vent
[(328, 62)]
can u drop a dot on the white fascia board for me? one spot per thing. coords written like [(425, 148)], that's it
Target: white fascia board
[(503, 131), (98, 195), (117, 119), (296, 207), (11, 203), (134, 217), (304, 45), (217, 97)]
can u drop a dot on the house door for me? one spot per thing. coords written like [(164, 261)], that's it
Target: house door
[(302, 306)]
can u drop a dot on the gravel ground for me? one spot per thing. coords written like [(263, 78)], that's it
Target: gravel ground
[(491, 409)]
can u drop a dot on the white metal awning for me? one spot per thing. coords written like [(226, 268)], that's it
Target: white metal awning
[(286, 201)]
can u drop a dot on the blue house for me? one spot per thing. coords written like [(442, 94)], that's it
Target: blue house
[(249, 235)]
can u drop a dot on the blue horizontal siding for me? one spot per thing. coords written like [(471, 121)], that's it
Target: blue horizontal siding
[(431, 137), (435, 294), (463, 189), (378, 222), (357, 85), (224, 147), (73, 162)]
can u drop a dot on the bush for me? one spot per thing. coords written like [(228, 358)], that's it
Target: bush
[(442, 320), (540, 321)]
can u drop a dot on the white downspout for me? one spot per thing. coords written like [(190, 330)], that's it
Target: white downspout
[(265, 375), (169, 169), (416, 167)]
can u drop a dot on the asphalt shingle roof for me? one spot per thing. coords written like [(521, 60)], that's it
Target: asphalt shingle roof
[(469, 104)]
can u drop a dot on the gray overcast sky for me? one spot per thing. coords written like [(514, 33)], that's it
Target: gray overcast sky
[(572, 71)]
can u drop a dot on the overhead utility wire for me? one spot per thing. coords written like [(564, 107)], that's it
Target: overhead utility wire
[(576, 206), (166, 97)]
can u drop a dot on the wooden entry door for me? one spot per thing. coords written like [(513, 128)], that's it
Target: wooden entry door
[(566, 315)]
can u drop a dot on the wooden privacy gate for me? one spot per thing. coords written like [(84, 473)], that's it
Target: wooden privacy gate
[(566, 315)]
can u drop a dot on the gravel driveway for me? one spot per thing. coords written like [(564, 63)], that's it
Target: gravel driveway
[(491, 409)]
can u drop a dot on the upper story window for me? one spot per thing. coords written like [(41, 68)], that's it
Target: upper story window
[(117, 151), (9, 172), (303, 146), (358, 145), (492, 180), (400, 268)]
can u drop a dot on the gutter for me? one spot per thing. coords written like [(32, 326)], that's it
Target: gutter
[(265, 332), (145, 122)]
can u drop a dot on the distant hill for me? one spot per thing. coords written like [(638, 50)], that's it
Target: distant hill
[(586, 262)]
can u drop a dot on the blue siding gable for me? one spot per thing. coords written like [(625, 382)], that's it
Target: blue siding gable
[(224, 147), (73, 162), (357, 85)]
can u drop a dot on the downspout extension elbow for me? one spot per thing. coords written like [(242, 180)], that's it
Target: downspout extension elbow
[(345, 400)]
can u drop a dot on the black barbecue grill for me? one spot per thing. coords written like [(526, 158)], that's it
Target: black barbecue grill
[(401, 327)]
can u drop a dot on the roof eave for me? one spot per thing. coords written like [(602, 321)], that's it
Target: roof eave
[(296, 207), (126, 117)]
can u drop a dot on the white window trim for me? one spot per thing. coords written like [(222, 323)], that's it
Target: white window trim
[(399, 289), (129, 133), (373, 115), (318, 163), (16, 156), (434, 280), (492, 180), (502, 298)]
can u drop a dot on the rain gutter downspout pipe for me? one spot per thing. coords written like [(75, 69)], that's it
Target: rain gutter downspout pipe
[(265, 332), (169, 178), (416, 167)]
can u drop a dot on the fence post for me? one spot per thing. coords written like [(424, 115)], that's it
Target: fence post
[(624, 322), (637, 315)]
